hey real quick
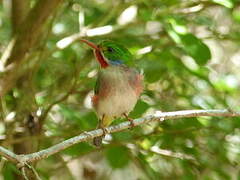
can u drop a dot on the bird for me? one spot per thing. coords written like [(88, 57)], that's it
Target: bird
[(118, 86)]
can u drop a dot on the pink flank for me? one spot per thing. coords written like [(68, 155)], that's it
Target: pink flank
[(95, 99), (137, 84), (103, 92)]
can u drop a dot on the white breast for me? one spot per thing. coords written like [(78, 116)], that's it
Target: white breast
[(120, 97)]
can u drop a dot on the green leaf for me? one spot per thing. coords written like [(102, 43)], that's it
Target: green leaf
[(123, 136), (196, 48), (145, 14), (117, 156), (178, 25), (78, 149), (9, 170), (139, 109), (226, 3), (227, 83), (153, 69), (192, 45), (84, 120), (236, 15)]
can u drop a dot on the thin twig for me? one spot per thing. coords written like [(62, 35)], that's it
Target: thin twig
[(166, 152), (8, 154), (43, 117), (158, 116), (24, 173), (34, 171)]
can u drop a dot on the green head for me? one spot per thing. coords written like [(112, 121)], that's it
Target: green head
[(115, 52), (110, 52)]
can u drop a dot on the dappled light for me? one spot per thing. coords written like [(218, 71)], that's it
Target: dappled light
[(56, 85)]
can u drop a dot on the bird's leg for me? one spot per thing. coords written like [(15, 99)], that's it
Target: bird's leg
[(129, 119), (102, 127), (97, 141)]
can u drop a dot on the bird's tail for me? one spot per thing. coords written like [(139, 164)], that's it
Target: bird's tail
[(97, 141), (103, 123)]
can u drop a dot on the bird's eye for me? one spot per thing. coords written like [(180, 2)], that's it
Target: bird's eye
[(110, 49)]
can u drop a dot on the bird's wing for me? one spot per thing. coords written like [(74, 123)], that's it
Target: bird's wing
[(97, 86)]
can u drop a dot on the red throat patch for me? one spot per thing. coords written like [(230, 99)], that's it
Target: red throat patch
[(100, 58)]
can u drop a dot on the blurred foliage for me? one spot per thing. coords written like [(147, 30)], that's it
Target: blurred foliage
[(189, 51)]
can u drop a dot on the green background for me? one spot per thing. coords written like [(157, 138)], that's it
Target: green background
[(191, 60)]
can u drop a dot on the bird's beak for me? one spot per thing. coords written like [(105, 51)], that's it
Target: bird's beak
[(97, 51), (92, 45)]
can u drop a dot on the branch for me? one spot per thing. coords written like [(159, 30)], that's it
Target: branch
[(8, 155), (32, 28), (19, 10), (29, 34), (169, 153), (24, 159)]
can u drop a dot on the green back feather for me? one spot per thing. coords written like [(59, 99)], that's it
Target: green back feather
[(97, 86)]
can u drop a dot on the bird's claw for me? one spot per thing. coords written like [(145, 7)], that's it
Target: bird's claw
[(104, 131), (130, 120), (131, 123)]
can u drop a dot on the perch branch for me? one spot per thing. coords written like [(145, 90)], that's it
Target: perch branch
[(24, 159)]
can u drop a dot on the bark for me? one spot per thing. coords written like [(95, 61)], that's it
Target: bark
[(28, 27), (29, 34), (19, 10)]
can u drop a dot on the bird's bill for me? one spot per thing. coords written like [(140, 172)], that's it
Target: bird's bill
[(92, 45), (97, 51)]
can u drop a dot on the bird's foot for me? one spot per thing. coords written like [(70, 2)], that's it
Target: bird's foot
[(104, 131), (97, 141), (130, 120)]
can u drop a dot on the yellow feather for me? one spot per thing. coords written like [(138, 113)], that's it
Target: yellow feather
[(106, 121)]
